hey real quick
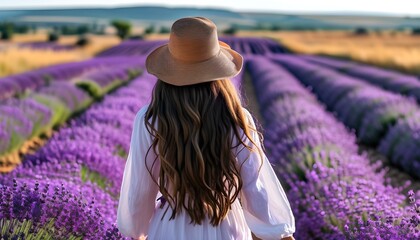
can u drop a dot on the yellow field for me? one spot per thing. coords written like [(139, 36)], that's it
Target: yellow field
[(394, 50), (16, 60), (157, 36)]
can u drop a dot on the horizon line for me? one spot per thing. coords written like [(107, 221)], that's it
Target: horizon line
[(332, 12)]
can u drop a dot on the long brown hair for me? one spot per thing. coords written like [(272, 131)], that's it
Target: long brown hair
[(194, 142)]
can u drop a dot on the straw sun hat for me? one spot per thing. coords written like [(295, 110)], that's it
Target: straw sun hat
[(193, 54)]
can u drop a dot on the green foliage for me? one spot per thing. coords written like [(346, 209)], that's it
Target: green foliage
[(150, 29), (275, 27), (230, 31), (360, 31), (12, 228), (415, 31), (134, 72), (113, 85), (15, 141), (136, 37), (6, 30), (164, 29), (73, 30), (82, 41), (97, 91), (21, 28), (53, 36), (123, 28), (119, 151), (91, 87), (93, 176), (82, 29)]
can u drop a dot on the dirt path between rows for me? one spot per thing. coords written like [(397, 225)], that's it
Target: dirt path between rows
[(250, 100)]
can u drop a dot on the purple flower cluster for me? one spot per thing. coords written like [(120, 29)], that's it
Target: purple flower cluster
[(52, 209), (335, 193), (81, 168), (21, 120), (402, 144), (373, 112)]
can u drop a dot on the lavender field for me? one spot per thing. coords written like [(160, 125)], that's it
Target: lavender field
[(320, 117)]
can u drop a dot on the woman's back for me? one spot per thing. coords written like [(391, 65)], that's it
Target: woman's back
[(197, 147), (265, 209)]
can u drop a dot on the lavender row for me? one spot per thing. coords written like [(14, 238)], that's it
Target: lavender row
[(78, 172), (371, 111), (47, 45), (18, 84), (132, 48), (361, 106), (389, 80), (253, 45), (402, 144), (101, 82), (334, 192), (244, 45), (52, 105), (23, 119)]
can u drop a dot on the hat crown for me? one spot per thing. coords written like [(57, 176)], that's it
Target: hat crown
[(193, 55), (193, 39)]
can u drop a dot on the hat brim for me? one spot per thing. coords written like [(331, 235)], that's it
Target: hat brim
[(226, 64)]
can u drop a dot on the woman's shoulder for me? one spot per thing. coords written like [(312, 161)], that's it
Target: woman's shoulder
[(139, 121), (248, 116), (142, 111), (140, 117), (246, 111)]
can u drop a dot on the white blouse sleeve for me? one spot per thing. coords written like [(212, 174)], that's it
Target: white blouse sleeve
[(265, 205), (138, 191)]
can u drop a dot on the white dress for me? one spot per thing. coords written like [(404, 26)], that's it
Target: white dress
[(265, 208)]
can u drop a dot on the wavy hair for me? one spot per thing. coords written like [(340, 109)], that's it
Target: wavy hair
[(194, 145)]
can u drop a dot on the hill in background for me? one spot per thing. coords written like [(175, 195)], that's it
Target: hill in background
[(164, 16)]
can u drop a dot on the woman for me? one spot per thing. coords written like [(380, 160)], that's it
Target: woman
[(197, 149)]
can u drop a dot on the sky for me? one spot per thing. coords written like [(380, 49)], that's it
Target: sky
[(392, 7)]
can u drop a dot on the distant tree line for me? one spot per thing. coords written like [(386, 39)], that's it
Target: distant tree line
[(124, 29), (152, 29), (7, 29), (267, 26), (79, 29)]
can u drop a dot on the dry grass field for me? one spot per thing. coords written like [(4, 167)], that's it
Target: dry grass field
[(389, 49), (14, 59)]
